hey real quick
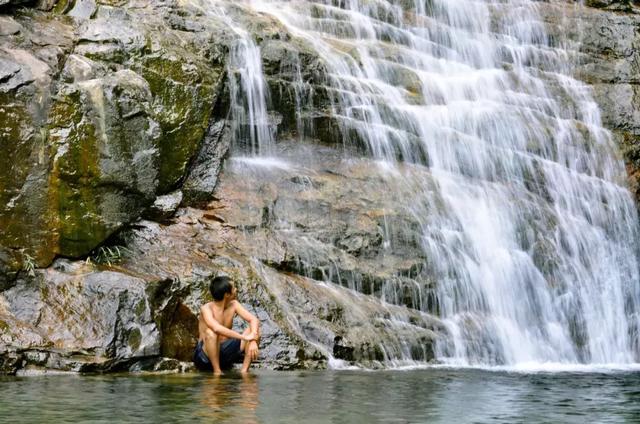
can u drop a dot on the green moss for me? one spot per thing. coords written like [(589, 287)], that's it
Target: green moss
[(183, 95), (134, 339), (23, 216), (141, 307), (44, 291), (4, 326), (63, 6), (74, 177)]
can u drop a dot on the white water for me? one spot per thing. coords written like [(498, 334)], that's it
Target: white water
[(249, 97), (252, 128), (531, 235)]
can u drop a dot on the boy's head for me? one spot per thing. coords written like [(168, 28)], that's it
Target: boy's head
[(220, 286)]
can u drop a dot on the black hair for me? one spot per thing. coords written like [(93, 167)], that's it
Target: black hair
[(219, 286)]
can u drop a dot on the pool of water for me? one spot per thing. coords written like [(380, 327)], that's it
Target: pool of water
[(413, 396)]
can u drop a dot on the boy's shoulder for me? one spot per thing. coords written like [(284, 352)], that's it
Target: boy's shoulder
[(232, 305)]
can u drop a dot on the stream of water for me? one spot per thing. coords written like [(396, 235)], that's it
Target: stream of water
[(531, 233)]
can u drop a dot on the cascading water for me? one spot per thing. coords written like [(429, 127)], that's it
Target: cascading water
[(249, 97), (252, 128), (531, 234)]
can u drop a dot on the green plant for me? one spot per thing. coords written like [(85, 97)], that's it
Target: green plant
[(29, 265), (108, 255)]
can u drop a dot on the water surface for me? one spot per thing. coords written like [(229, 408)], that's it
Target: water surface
[(416, 396)]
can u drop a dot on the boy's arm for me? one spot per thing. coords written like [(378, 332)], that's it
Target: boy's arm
[(254, 324), (218, 328)]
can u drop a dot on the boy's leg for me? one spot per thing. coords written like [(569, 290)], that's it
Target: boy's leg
[(244, 347), (212, 349)]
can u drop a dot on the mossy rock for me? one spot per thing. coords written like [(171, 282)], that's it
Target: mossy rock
[(104, 168), (184, 92)]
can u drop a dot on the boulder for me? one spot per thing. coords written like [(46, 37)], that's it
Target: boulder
[(99, 115), (71, 320)]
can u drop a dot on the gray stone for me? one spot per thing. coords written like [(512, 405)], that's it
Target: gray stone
[(104, 315), (79, 68), (83, 9), (203, 176), (8, 26), (608, 42), (164, 206), (8, 70), (113, 27), (19, 68)]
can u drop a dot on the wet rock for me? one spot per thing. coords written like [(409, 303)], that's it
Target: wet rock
[(80, 68), (164, 206), (607, 41), (104, 136), (10, 362), (180, 333), (203, 176), (325, 225), (141, 314), (28, 67), (150, 72)]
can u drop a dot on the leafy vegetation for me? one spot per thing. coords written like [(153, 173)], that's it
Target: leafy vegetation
[(29, 265), (108, 255)]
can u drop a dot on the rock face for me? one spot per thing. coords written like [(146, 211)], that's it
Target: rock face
[(106, 110), (27, 73), (98, 116), (102, 112), (83, 317), (106, 319)]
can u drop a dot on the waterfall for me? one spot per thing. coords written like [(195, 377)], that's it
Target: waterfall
[(249, 97), (531, 233), (252, 128)]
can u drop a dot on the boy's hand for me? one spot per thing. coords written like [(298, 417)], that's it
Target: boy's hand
[(253, 350)]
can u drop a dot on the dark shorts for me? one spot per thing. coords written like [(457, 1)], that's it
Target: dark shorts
[(230, 353)]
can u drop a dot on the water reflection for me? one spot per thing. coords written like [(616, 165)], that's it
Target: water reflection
[(433, 396), (230, 398)]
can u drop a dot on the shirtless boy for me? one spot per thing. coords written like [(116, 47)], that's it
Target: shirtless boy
[(219, 347)]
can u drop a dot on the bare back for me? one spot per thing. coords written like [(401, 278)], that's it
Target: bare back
[(224, 317)]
